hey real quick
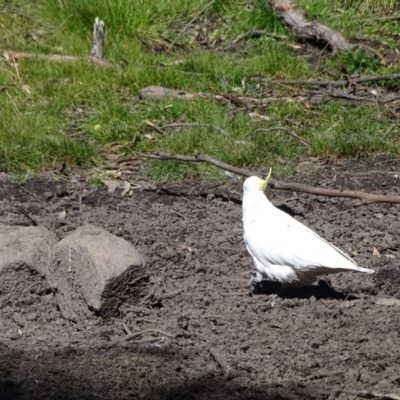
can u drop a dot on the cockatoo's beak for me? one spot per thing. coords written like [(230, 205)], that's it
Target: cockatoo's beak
[(266, 181)]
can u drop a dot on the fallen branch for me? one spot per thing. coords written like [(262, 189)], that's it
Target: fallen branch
[(227, 370), (376, 99), (154, 126), (363, 197), (295, 20), (58, 58), (135, 335), (96, 55), (330, 83)]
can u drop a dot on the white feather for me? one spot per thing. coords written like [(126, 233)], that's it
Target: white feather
[(283, 249)]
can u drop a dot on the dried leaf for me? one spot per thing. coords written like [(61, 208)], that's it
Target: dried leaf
[(347, 304), (352, 251), (148, 122), (111, 185), (113, 157), (26, 89), (386, 301), (256, 115), (149, 136), (186, 247), (62, 215), (379, 215), (376, 253), (127, 188)]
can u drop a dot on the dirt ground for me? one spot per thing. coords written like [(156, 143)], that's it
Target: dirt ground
[(313, 343)]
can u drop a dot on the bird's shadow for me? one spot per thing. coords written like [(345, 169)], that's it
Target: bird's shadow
[(321, 291)]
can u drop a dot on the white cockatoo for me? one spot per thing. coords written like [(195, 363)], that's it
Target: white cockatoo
[(283, 249)]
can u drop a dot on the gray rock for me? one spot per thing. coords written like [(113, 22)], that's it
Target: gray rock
[(25, 257), (159, 92), (95, 271)]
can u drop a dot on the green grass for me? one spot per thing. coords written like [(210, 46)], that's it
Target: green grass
[(55, 113)]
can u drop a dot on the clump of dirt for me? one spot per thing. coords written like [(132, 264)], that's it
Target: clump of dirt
[(313, 343)]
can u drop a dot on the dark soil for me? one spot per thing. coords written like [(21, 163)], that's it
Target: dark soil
[(313, 343)]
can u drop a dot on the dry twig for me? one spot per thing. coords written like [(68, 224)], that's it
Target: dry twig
[(363, 197), (227, 370), (134, 335), (60, 58), (330, 83)]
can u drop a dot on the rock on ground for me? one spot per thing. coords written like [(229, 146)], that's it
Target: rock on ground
[(95, 270), (25, 257)]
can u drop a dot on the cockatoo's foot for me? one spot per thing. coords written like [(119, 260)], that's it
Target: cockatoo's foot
[(254, 280), (325, 284)]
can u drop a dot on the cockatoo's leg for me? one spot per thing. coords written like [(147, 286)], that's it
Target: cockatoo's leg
[(255, 279)]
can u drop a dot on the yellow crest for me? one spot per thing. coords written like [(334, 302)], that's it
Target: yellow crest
[(265, 182)]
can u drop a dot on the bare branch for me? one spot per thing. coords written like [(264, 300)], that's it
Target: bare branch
[(296, 21), (363, 197), (331, 83)]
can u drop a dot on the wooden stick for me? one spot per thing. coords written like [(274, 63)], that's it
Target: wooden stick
[(363, 197), (295, 20), (331, 83), (227, 370), (98, 39), (59, 58)]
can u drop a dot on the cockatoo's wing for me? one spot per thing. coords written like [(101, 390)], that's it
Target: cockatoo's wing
[(276, 239)]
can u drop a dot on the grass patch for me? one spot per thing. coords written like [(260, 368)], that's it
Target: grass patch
[(76, 114)]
